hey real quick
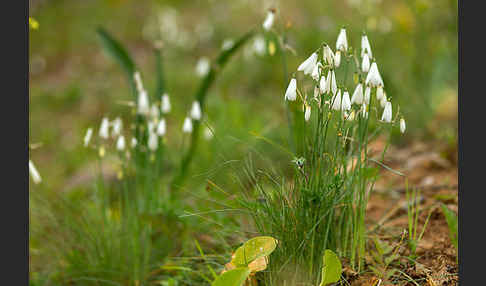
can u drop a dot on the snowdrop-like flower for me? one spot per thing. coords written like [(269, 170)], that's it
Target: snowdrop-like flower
[(367, 95), (328, 55), (196, 110), (379, 93), (165, 104), (337, 59), (150, 126), (268, 23), (374, 78), (202, 66), (161, 127), (104, 128), (364, 111), (346, 103), (143, 106), (154, 111), (187, 127), (308, 65), (117, 127), (336, 104), (383, 100), (365, 64), (34, 173), (87, 137), (259, 45), (323, 84), (315, 72), (358, 94), (307, 112), (153, 141), (342, 41), (333, 82), (327, 86), (387, 113), (291, 92), (402, 125), (120, 143), (133, 143), (365, 46)]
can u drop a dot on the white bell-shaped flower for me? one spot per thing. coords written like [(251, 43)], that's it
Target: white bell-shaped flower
[(268, 23), (291, 92), (383, 100), (365, 64), (133, 143), (333, 82), (120, 143), (403, 126), (153, 141), (202, 66), (315, 72), (161, 127), (308, 65), (151, 126), (138, 81), (34, 173), (364, 111), (154, 111), (143, 106), (365, 46), (259, 46), (374, 78), (307, 112), (357, 94), (346, 102), (165, 104), (367, 95), (196, 110), (387, 113), (323, 84), (105, 128), (117, 125), (87, 137), (336, 102), (379, 93), (328, 55), (337, 59), (342, 41), (187, 126)]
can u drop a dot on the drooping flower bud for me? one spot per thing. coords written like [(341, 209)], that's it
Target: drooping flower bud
[(365, 64), (202, 66), (387, 113), (323, 84), (143, 106), (374, 78), (196, 110), (165, 104), (346, 103), (358, 94), (120, 143), (87, 137), (291, 92), (187, 127), (367, 95), (161, 127), (307, 112), (336, 103), (104, 128), (379, 93), (153, 141), (333, 82), (268, 23), (342, 41), (328, 55), (117, 125), (402, 125), (337, 59), (365, 46), (308, 65)]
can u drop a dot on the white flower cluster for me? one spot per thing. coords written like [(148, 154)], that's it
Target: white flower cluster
[(336, 94)]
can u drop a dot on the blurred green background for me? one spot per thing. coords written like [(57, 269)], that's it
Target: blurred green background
[(73, 84)]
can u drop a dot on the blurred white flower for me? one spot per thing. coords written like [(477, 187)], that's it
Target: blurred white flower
[(117, 125), (307, 113), (374, 78), (161, 127), (308, 65), (196, 110), (337, 59), (346, 103), (143, 106), (154, 111), (336, 103), (365, 46), (402, 125), (365, 64), (387, 113), (150, 126), (153, 141), (358, 94), (342, 41), (202, 66), (383, 100), (227, 44), (315, 72), (87, 137), (133, 143), (291, 92), (105, 128), (259, 46), (138, 81), (268, 23), (367, 94), (120, 143), (165, 104), (187, 127), (379, 93), (34, 173), (323, 84)]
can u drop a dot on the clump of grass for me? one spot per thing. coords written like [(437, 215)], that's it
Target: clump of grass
[(324, 205)]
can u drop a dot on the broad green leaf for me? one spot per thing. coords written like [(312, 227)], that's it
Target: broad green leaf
[(253, 249), (234, 277), (451, 219), (331, 271)]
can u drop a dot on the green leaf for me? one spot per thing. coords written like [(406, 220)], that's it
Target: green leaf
[(119, 54), (234, 277), (331, 271), (451, 219), (253, 249)]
